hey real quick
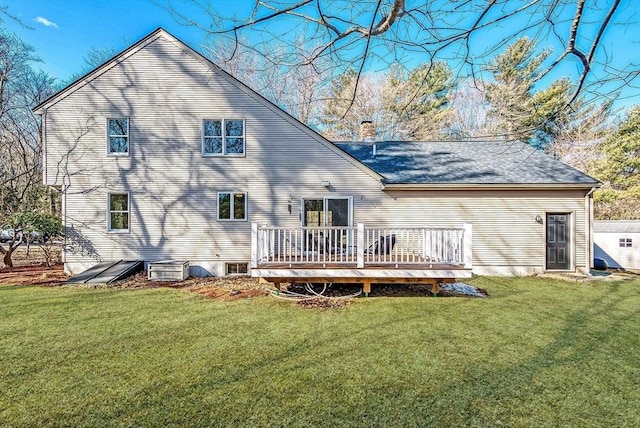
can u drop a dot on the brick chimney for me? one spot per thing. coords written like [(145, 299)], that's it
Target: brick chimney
[(367, 130)]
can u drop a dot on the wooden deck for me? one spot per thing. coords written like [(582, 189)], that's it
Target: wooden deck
[(340, 273), (389, 255)]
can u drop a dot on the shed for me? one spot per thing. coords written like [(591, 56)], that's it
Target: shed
[(617, 242)]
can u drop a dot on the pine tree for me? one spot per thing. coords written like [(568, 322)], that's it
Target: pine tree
[(619, 170)]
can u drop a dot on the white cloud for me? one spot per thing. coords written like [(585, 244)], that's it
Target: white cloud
[(46, 22)]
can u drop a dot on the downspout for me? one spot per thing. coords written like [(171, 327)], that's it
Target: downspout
[(43, 140), (589, 226)]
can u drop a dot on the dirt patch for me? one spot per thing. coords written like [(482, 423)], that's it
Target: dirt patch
[(229, 289), (33, 256), (323, 302), (33, 275)]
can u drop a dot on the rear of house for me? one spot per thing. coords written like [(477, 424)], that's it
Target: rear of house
[(160, 155), (530, 213)]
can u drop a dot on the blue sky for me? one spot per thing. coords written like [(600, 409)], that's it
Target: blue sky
[(64, 31)]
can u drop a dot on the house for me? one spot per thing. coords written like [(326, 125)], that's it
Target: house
[(618, 242), (159, 154)]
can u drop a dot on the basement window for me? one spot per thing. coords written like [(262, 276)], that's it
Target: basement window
[(237, 268)]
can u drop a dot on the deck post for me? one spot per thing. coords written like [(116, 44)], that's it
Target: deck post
[(360, 245), (254, 245), (366, 287), (468, 246)]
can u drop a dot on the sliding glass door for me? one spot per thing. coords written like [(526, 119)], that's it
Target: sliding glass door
[(327, 212), (334, 212)]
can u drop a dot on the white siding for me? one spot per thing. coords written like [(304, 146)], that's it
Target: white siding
[(506, 237), (607, 247), (166, 92)]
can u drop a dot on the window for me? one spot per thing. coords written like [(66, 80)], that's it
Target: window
[(232, 206), (237, 268), (223, 137), (626, 243), (118, 213), (118, 136)]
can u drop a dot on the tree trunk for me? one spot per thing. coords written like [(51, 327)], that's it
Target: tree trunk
[(7, 257)]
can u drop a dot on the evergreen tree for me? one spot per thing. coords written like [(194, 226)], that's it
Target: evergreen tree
[(513, 110), (619, 170), (417, 102)]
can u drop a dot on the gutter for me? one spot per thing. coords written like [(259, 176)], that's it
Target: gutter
[(490, 186)]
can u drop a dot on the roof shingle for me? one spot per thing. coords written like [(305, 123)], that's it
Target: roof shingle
[(464, 162)]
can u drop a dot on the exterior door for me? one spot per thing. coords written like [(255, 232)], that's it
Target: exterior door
[(328, 212), (558, 241)]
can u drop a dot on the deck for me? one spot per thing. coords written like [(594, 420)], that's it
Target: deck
[(424, 255)]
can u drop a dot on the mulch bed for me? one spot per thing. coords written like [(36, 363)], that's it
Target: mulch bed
[(229, 289), (226, 288), (33, 275)]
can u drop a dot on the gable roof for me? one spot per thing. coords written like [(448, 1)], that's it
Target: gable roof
[(466, 163), (160, 32)]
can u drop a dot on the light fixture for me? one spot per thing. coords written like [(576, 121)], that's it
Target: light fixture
[(538, 219), (326, 184)]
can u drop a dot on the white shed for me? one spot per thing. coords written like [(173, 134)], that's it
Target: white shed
[(617, 242)]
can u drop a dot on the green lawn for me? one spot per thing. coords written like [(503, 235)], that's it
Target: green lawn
[(539, 352)]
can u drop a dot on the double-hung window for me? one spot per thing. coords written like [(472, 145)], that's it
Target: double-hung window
[(232, 206), (223, 137), (118, 212), (118, 136)]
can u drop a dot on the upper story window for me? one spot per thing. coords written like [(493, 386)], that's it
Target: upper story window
[(118, 136), (232, 206), (223, 137), (118, 212), (626, 243)]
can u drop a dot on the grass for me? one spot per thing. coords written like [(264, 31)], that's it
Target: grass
[(539, 352)]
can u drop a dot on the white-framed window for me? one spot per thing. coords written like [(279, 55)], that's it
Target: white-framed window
[(118, 212), (118, 136), (626, 243), (232, 206), (237, 268), (223, 137)]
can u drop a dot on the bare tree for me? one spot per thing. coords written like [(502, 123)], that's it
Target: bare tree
[(469, 119), (298, 89), (21, 88), (578, 141), (369, 33)]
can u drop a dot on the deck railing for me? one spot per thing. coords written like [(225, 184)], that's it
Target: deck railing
[(361, 246)]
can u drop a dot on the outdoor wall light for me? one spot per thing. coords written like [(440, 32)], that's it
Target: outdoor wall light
[(538, 219), (326, 184)]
